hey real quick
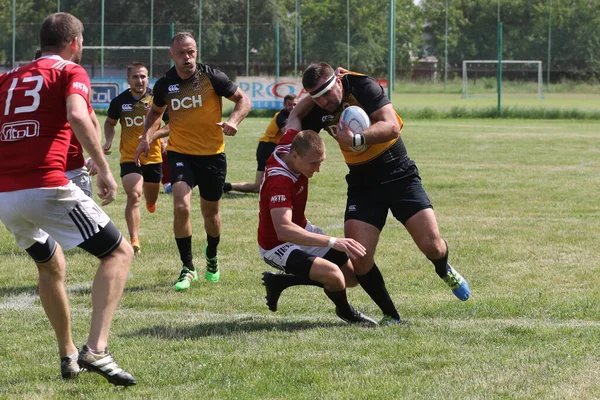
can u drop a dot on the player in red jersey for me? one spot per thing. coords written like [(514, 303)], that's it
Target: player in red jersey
[(78, 169), (289, 242), (42, 104)]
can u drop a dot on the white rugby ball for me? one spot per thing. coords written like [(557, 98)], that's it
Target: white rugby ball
[(357, 120)]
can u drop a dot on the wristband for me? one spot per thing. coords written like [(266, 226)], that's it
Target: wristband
[(358, 139), (331, 241)]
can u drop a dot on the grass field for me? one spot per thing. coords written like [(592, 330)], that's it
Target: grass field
[(517, 202)]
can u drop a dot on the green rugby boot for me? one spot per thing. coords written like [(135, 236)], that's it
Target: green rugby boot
[(186, 277)]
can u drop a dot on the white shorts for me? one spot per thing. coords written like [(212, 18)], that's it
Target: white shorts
[(278, 256), (81, 178), (64, 212)]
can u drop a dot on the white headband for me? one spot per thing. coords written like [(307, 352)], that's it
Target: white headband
[(326, 86)]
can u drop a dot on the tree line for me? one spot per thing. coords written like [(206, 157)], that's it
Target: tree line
[(567, 33)]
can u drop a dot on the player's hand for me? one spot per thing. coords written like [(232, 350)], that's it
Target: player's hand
[(107, 147), (91, 167), (339, 71), (344, 134), (107, 187), (142, 149), (229, 129), (351, 247)]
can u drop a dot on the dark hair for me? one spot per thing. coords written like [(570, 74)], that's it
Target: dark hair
[(289, 97), (181, 36), (58, 30), (314, 72), (38, 54), (134, 65), (307, 140)]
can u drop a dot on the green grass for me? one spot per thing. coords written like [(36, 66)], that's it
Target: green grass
[(517, 202)]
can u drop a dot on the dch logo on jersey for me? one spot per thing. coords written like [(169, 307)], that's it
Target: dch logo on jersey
[(13, 131), (186, 102), (127, 107), (174, 88), (135, 121), (103, 93), (278, 198)]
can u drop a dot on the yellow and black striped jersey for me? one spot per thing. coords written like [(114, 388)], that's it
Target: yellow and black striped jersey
[(195, 107), (131, 113), (273, 132)]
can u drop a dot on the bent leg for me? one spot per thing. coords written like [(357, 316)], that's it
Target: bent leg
[(424, 230)]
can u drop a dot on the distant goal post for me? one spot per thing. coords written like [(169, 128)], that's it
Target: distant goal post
[(465, 89)]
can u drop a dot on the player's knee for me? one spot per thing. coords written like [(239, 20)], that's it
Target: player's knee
[(42, 252), (124, 252), (434, 248), (182, 210), (334, 276), (134, 198)]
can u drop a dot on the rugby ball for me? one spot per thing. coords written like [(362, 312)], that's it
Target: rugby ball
[(357, 120)]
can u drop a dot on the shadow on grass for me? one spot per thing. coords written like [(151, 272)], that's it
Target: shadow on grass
[(17, 290), (238, 195), (245, 325)]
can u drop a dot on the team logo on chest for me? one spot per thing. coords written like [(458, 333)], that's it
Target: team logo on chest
[(127, 107)]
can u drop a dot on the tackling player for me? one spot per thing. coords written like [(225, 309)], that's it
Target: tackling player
[(289, 242)]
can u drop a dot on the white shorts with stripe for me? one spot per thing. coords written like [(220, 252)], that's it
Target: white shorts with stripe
[(64, 212), (277, 256)]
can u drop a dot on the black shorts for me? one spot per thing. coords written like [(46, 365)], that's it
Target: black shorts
[(263, 152), (369, 202), (150, 172), (206, 172), (299, 262)]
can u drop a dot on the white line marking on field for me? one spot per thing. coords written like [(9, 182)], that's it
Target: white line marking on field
[(19, 301)]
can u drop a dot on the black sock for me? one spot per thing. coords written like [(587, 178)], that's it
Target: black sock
[(441, 264), (211, 249), (287, 280), (339, 299), (372, 283), (185, 251)]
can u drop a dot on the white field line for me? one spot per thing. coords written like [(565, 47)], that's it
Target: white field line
[(26, 301)]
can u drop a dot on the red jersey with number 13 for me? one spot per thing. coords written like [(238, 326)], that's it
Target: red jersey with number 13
[(34, 131)]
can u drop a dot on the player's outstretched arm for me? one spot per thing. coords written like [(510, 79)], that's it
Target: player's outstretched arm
[(287, 231), (301, 110), (240, 110)]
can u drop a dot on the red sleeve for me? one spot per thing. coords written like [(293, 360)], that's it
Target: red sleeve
[(78, 82), (280, 193), (288, 137)]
